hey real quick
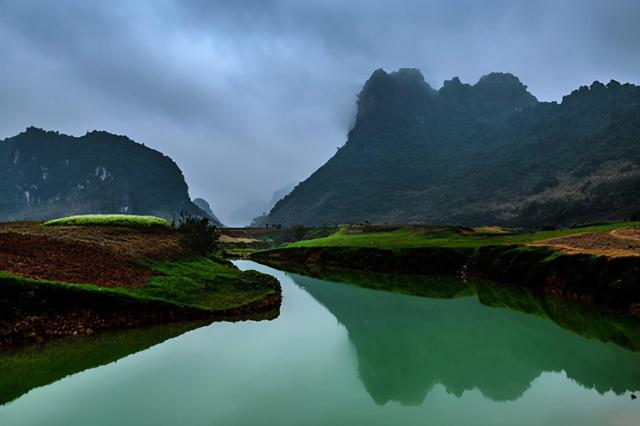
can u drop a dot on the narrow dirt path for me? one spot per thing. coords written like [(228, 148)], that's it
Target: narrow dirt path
[(622, 242)]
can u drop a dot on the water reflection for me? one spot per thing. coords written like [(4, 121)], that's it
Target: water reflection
[(406, 345), (307, 368), (26, 368)]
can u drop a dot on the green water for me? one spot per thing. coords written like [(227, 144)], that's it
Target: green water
[(337, 354)]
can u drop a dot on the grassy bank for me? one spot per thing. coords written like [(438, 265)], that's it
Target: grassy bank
[(588, 321), (569, 263), (35, 310), (208, 284), (58, 281)]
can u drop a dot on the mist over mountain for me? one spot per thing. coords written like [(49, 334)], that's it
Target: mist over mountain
[(206, 207), (487, 153), (45, 174), (253, 210)]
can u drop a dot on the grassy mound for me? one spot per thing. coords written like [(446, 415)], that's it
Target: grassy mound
[(109, 220)]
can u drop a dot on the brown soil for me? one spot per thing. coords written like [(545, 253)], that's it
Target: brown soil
[(225, 239), (617, 243), (51, 317), (100, 255), (154, 244)]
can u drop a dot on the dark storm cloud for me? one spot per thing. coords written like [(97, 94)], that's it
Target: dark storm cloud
[(249, 95)]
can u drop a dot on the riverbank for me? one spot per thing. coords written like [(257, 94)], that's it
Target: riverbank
[(58, 281), (587, 320), (582, 264)]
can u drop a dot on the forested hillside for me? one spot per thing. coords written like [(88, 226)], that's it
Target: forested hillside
[(487, 153), (46, 174)]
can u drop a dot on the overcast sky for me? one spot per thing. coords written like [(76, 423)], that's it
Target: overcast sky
[(248, 96)]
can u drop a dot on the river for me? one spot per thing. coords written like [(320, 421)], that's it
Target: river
[(336, 355)]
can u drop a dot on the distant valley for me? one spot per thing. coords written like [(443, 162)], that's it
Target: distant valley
[(254, 211)]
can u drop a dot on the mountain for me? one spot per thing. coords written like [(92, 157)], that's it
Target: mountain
[(253, 210), (45, 174), (488, 153), (279, 193), (205, 207)]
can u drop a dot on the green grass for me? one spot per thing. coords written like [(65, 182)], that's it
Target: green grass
[(207, 283), (199, 282), (109, 220), (414, 237)]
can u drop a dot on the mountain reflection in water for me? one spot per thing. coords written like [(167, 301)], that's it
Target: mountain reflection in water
[(342, 354), (406, 345)]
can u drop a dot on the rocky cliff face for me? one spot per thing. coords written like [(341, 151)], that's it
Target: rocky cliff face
[(46, 174), (487, 153)]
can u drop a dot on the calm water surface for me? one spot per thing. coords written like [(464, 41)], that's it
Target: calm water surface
[(339, 354)]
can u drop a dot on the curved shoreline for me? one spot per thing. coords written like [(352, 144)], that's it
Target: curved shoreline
[(79, 280), (35, 313), (612, 283)]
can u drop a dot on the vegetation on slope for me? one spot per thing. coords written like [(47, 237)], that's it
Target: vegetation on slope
[(46, 174), (478, 154)]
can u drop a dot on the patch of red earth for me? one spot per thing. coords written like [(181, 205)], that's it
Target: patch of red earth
[(41, 257)]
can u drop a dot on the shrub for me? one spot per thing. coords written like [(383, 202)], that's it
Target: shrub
[(198, 234)]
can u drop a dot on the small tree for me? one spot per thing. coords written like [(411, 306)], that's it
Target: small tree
[(198, 234)]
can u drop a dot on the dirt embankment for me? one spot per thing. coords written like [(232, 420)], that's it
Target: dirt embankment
[(106, 256), (427, 261), (37, 314)]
